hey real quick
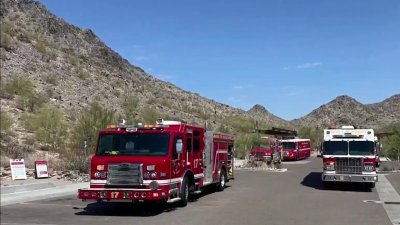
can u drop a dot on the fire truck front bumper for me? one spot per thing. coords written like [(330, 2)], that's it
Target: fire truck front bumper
[(118, 194), (360, 178)]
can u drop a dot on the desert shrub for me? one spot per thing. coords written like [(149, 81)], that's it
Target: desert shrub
[(51, 79), (82, 74), (130, 108), (150, 115), (49, 126), (32, 102), (5, 122), (40, 46), (7, 42), (94, 118), (19, 86), (75, 162), (244, 142)]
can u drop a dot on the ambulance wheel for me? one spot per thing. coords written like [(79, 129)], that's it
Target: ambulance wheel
[(184, 193), (222, 180)]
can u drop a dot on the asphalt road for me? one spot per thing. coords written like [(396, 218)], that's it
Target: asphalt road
[(292, 197)]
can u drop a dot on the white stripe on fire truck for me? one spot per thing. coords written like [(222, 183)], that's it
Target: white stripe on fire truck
[(221, 151), (172, 181), (199, 175), (98, 181)]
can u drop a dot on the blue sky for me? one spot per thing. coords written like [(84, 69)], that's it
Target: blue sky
[(289, 56)]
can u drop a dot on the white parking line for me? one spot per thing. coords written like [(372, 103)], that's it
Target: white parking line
[(388, 194)]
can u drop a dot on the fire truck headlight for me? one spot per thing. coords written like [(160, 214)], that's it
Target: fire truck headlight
[(153, 175), (329, 167), (97, 174), (154, 185), (103, 174)]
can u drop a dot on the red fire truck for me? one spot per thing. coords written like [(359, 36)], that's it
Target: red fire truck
[(167, 161), (349, 155), (295, 149)]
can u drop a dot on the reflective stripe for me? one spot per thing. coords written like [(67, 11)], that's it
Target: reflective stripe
[(98, 181), (199, 175)]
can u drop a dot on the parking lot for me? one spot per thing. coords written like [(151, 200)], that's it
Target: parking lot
[(254, 197)]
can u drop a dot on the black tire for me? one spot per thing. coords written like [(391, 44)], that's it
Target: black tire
[(184, 192), (371, 185), (222, 180)]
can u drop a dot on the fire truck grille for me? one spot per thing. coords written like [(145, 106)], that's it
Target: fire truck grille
[(349, 165), (128, 174)]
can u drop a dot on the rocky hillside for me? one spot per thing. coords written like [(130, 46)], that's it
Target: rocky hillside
[(346, 110), (71, 67)]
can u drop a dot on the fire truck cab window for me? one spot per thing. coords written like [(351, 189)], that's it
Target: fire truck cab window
[(133, 144), (196, 141), (289, 145), (335, 148), (361, 148)]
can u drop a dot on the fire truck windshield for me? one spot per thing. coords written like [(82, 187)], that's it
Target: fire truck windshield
[(348, 147), (133, 144), (361, 148), (335, 147), (288, 145)]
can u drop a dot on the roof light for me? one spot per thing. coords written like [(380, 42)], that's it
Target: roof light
[(111, 126)]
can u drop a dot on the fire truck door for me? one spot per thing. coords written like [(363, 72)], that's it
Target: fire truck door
[(189, 150), (208, 157), (197, 153)]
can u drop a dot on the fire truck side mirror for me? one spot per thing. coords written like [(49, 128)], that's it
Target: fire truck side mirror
[(179, 145)]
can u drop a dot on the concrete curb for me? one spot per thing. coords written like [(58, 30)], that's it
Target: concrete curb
[(34, 195)]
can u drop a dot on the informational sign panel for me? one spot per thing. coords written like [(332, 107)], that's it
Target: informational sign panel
[(41, 169), (18, 170)]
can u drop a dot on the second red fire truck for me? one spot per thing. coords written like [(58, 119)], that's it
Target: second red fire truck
[(167, 161), (296, 149)]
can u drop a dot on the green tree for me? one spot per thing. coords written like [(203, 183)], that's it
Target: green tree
[(314, 134), (391, 143), (96, 117), (244, 142), (49, 126)]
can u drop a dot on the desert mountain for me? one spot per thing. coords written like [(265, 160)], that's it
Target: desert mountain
[(72, 67), (346, 110)]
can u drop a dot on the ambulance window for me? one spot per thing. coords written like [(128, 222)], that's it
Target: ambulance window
[(196, 141), (189, 144)]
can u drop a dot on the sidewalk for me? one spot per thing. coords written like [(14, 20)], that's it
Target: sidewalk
[(37, 190)]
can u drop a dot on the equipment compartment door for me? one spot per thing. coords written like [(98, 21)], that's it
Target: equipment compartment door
[(208, 157)]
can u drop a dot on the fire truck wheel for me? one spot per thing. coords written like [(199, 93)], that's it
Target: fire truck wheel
[(222, 180), (184, 193), (370, 185)]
